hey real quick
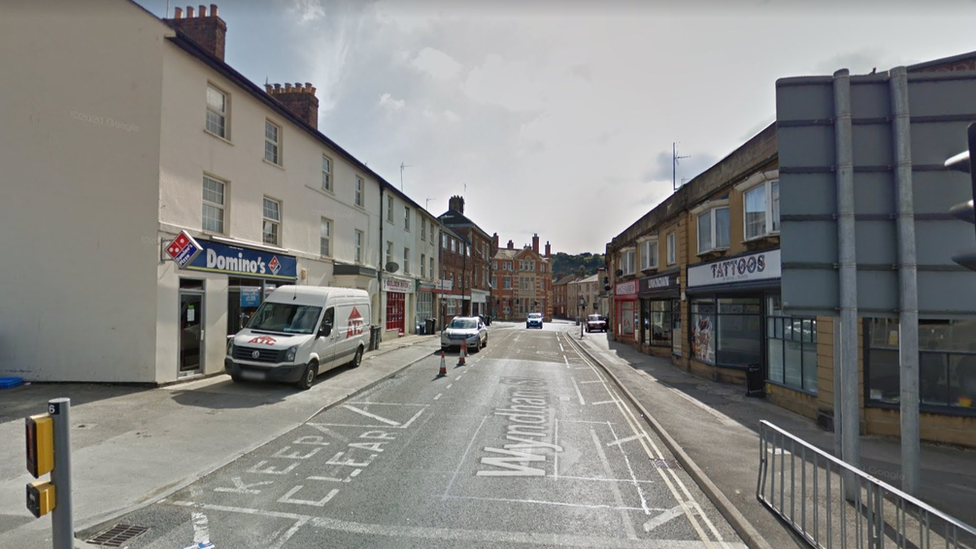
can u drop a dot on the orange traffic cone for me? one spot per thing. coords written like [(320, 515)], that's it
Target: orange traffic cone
[(464, 351), (443, 371)]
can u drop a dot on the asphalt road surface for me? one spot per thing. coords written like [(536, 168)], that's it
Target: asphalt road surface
[(526, 445)]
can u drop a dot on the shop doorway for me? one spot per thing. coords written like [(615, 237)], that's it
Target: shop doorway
[(191, 330)]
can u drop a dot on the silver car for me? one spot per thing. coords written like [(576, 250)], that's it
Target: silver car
[(469, 331)]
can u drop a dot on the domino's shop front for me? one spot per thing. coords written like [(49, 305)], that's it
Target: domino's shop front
[(213, 295)]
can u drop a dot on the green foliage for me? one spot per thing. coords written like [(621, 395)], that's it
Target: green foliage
[(563, 264)]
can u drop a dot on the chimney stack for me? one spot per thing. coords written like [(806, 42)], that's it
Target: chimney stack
[(494, 241), (535, 243), (299, 99), (511, 245), (207, 31), (456, 203), (548, 250)]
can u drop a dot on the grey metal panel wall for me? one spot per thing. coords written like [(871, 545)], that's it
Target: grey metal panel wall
[(941, 106)]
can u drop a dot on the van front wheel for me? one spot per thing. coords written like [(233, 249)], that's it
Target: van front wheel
[(308, 376), (358, 359)]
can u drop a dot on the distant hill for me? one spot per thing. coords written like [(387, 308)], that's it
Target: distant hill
[(564, 264)]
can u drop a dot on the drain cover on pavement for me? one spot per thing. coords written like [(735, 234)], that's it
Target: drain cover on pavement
[(117, 535)]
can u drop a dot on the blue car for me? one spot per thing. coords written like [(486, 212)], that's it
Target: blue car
[(534, 321)]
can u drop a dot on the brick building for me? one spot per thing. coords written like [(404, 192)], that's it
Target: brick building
[(469, 259), (522, 281)]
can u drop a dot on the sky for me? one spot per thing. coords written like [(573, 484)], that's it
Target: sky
[(559, 118)]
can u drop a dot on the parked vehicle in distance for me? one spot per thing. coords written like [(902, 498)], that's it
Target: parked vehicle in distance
[(299, 332), (469, 331), (534, 321), (596, 323)]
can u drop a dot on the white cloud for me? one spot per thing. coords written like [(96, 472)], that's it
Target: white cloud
[(390, 104), (436, 63), (309, 10)]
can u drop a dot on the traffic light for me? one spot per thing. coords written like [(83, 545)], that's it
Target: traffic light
[(40, 444), (964, 211)]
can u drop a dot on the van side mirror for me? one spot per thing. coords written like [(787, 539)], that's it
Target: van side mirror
[(325, 330)]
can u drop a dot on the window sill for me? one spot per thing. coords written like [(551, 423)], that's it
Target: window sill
[(279, 166), (649, 269), (714, 252), (759, 241), (224, 139)]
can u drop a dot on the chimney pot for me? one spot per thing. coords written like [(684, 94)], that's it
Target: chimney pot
[(310, 89), (308, 86), (287, 87), (298, 86), (268, 88), (189, 12), (213, 10), (277, 88), (178, 14), (203, 11)]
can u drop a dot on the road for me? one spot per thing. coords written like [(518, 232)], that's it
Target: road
[(525, 445)]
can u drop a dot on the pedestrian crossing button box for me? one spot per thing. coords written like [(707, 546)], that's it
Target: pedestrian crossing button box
[(40, 498), (39, 433)]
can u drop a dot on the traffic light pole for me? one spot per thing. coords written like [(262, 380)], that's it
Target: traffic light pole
[(62, 525)]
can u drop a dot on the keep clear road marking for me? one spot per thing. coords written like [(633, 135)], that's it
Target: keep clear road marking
[(631, 533), (670, 514), (374, 416), (452, 534)]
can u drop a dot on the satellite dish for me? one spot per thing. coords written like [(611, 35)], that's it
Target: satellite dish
[(392, 267), (619, 272)]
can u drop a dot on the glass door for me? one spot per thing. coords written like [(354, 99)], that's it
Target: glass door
[(191, 331)]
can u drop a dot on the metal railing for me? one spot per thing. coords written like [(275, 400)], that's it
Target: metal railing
[(832, 504)]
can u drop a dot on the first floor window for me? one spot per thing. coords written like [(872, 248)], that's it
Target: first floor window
[(216, 112), (713, 230), (648, 255), (389, 252), (946, 364), (325, 237), (791, 347), (507, 282), (406, 261), (423, 265), (213, 205), (672, 249), (627, 263), (762, 209), (271, 232), (432, 271)]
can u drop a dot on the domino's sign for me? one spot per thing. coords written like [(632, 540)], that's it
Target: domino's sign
[(238, 260), (183, 249)]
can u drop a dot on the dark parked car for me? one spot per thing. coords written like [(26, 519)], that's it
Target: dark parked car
[(596, 323)]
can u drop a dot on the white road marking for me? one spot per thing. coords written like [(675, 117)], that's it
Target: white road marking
[(604, 402), (664, 517), (464, 456), (592, 381), (399, 531), (631, 532), (566, 360), (291, 532), (374, 416), (287, 498), (623, 440), (449, 385), (554, 503), (438, 396), (578, 393), (411, 420), (591, 479), (241, 488), (201, 530), (630, 469)]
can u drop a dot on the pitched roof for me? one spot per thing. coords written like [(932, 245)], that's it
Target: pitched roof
[(565, 280), (454, 218)]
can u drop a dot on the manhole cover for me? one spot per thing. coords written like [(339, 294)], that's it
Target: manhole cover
[(118, 535)]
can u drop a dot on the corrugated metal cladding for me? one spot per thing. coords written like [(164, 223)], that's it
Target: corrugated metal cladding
[(941, 106)]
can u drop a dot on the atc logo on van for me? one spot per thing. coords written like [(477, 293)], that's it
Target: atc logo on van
[(274, 264), (355, 324), (263, 340)]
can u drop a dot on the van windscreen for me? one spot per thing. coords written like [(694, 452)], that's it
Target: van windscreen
[(285, 317)]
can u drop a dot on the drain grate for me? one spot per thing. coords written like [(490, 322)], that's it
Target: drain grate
[(118, 534)]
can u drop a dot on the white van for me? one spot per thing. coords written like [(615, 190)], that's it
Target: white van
[(300, 332)]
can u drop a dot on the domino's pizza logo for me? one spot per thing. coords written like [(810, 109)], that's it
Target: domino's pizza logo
[(274, 264), (183, 249)]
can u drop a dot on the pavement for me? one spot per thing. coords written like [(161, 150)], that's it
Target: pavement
[(132, 446)]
